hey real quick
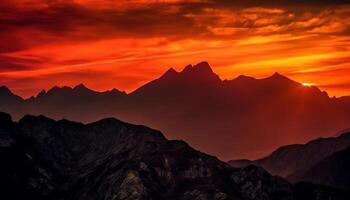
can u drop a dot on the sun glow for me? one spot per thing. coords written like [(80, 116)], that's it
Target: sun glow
[(307, 84)]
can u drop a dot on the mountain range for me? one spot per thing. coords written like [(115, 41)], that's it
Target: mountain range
[(323, 161), (109, 159), (248, 117), (331, 171)]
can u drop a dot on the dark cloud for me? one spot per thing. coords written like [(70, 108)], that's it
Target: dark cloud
[(280, 3), (10, 64), (71, 21), (58, 21)]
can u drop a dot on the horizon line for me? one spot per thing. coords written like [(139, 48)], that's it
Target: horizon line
[(304, 84)]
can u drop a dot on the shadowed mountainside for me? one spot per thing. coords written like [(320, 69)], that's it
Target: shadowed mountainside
[(323, 161), (331, 171), (248, 117), (109, 159)]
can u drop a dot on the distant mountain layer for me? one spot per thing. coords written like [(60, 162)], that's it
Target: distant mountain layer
[(112, 160), (331, 171), (323, 161), (248, 117)]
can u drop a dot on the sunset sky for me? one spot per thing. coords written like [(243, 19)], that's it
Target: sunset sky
[(123, 44)]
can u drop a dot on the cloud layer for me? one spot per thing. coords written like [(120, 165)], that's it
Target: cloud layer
[(127, 43)]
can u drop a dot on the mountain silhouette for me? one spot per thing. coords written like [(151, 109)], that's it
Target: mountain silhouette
[(10, 101), (192, 79), (322, 161), (46, 159), (248, 117), (331, 171), (7, 96)]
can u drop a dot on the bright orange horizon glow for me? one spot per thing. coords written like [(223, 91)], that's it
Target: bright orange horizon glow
[(124, 44), (307, 84)]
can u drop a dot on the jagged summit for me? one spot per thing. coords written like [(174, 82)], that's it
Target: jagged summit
[(82, 89), (6, 94), (115, 91), (202, 67), (275, 77), (81, 86), (279, 77), (41, 93), (192, 77), (199, 72), (188, 68), (244, 78), (169, 73), (57, 89)]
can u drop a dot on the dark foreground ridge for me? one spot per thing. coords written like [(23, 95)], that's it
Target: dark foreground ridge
[(112, 160)]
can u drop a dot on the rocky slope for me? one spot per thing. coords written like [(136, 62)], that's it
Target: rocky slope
[(112, 160), (331, 171), (289, 159), (322, 161), (194, 104)]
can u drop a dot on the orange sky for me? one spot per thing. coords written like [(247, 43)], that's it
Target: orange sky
[(122, 44)]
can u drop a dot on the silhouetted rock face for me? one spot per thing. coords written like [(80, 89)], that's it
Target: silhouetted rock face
[(113, 160)]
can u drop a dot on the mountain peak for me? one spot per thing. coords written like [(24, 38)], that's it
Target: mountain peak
[(41, 93), (58, 89), (5, 92), (244, 77), (202, 67), (169, 73), (81, 88), (116, 90), (197, 76), (187, 69), (200, 71), (278, 76)]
